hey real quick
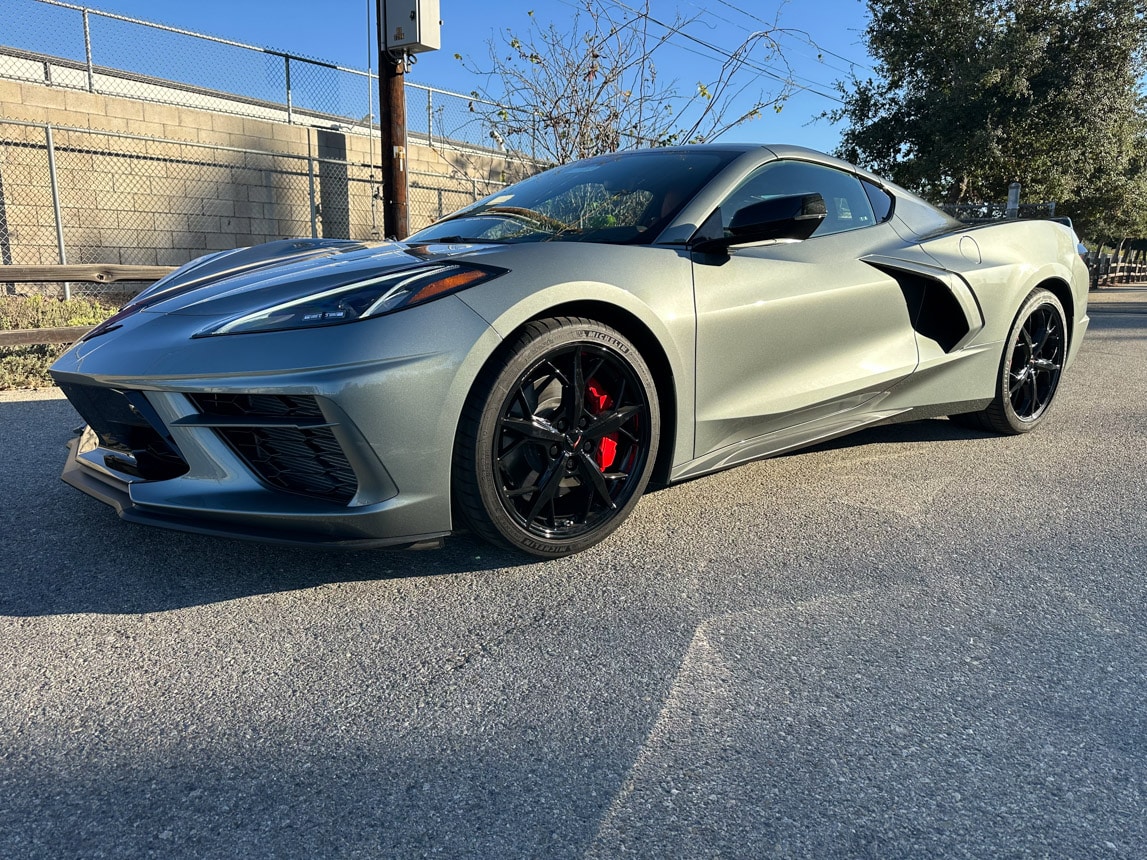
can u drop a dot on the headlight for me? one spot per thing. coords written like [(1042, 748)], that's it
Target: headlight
[(361, 299)]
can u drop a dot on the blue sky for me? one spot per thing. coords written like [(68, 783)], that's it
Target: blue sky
[(337, 31)]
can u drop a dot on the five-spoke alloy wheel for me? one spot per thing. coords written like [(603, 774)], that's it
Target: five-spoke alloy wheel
[(558, 439)]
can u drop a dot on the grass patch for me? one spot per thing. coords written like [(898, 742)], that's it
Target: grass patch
[(41, 312), (27, 366)]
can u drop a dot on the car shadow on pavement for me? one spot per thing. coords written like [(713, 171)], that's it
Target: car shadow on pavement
[(920, 430), (67, 553)]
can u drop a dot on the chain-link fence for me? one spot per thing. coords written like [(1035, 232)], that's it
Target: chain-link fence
[(64, 45), (70, 196), (441, 118)]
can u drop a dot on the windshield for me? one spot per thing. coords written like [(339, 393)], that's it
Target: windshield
[(622, 198)]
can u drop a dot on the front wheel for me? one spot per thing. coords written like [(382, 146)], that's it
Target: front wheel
[(557, 440), (1030, 369)]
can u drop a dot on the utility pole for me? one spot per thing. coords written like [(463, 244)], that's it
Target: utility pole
[(392, 125), (405, 28)]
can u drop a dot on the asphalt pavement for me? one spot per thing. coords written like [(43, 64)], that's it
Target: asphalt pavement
[(919, 641)]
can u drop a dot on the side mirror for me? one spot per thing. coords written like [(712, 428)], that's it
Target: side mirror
[(795, 216)]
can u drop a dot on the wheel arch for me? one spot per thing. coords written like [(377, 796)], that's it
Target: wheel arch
[(1062, 291), (651, 350)]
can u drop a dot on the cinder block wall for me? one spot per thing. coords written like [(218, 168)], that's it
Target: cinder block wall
[(148, 183)]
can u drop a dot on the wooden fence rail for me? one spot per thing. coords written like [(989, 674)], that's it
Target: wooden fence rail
[(95, 272), (103, 273), (30, 336)]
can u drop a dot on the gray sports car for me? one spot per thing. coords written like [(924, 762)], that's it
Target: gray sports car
[(526, 366)]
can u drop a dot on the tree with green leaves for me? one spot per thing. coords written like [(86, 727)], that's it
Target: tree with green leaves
[(971, 95), (593, 84)]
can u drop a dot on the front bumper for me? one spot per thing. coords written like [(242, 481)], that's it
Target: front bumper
[(314, 530), (359, 457)]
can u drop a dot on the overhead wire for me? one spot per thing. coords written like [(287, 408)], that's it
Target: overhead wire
[(806, 38), (786, 77)]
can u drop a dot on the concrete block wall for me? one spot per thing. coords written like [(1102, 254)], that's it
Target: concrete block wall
[(148, 183)]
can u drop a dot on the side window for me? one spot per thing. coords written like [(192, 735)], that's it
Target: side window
[(880, 199), (844, 196)]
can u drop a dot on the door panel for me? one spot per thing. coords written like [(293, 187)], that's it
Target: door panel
[(793, 332)]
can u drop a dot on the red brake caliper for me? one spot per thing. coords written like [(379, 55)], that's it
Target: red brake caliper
[(597, 401)]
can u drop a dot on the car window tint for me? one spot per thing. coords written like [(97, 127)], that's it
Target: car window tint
[(845, 199), (880, 199)]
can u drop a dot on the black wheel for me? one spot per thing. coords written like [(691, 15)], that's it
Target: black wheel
[(558, 438), (1029, 370)]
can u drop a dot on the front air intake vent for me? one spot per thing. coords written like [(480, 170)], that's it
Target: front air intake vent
[(129, 429), (285, 440)]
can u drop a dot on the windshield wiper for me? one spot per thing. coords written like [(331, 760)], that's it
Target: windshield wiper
[(550, 223)]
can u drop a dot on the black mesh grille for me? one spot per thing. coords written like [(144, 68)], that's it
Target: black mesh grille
[(258, 405), (304, 460)]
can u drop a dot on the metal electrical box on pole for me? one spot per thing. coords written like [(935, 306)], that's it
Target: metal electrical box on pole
[(412, 26), (405, 27)]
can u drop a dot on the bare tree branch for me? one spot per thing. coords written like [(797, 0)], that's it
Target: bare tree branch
[(594, 87)]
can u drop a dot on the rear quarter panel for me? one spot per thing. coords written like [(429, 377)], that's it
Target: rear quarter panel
[(1003, 263)]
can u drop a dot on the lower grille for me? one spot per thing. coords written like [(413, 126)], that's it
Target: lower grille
[(283, 440), (258, 405), (128, 427)]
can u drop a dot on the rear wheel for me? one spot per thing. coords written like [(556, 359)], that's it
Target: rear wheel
[(557, 441), (1029, 370)]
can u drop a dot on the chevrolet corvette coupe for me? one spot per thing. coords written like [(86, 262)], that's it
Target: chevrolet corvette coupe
[(524, 367)]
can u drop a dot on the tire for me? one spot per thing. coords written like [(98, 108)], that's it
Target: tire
[(1030, 369), (557, 440)]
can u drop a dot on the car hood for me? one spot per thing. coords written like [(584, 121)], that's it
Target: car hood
[(246, 279)]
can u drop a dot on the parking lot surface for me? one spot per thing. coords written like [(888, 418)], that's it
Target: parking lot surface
[(919, 641)]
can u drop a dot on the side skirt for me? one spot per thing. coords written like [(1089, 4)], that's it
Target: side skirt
[(812, 433)]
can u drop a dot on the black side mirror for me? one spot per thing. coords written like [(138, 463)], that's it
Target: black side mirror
[(795, 216)]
